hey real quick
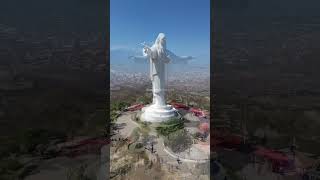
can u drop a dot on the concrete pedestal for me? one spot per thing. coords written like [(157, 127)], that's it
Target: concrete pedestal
[(155, 113)]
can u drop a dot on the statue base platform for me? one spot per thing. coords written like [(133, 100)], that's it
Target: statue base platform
[(154, 113)]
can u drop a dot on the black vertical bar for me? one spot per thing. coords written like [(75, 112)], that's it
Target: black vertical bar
[(107, 115)]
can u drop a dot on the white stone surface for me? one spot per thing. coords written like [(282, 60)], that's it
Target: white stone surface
[(158, 111), (155, 113)]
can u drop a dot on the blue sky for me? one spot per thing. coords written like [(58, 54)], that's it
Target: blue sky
[(186, 24)]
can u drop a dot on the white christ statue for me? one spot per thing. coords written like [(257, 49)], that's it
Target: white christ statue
[(158, 111)]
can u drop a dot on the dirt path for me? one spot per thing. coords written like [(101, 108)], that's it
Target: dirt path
[(126, 124)]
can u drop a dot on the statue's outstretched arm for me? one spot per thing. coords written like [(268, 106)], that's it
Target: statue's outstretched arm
[(147, 51)]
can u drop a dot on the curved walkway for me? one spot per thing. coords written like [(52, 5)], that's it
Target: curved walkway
[(184, 159)]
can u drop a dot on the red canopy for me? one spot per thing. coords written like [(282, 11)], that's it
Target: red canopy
[(204, 127), (135, 107), (198, 112), (195, 110), (179, 106)]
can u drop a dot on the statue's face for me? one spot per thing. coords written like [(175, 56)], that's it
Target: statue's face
[(162, 38)]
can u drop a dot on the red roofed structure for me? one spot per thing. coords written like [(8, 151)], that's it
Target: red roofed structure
[(197, 112), (179, 106), (135, 107)]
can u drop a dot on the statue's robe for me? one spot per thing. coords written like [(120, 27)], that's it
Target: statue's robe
[(157, 74)]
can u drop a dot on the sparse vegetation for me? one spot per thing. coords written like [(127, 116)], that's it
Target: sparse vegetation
[(168, 127), (198, 135), (118, 105), (144, 99), (113, 116), (115, 109), (144, 129), (135, 135), (134, 117), (205, 106), (178, 141), (136, 147)]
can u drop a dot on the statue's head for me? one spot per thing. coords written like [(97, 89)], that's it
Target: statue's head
[(161, 40)]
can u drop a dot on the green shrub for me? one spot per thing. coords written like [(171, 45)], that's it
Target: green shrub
[(118, 106), (139, 145), (144, 100), (168, 127), (113, 116)]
